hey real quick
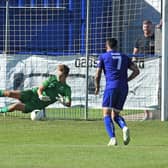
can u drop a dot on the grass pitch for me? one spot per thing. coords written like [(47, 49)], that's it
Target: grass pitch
[(80, 144)]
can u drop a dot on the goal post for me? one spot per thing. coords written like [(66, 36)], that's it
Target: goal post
[(164, 105)]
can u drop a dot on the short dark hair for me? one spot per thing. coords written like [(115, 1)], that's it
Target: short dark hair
[(65, 68), (147, 22), (112, 42)]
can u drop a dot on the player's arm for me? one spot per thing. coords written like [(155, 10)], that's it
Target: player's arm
[(97, 80), (65, 100), (41, 89), (135, 51), (135, 71), (43, 86), (68, 104), (41, 96), (68, 98), (100, 66)]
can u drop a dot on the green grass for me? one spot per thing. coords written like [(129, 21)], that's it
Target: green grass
[(80, 144), (74, 113)]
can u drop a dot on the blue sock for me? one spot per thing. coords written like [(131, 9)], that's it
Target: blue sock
[(120, 121), (109, 126)]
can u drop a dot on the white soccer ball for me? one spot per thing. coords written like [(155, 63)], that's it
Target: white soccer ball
[(37, 115)]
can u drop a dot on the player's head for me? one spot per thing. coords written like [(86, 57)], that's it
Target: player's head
[(111, 44), (147, 26), (63, 70)]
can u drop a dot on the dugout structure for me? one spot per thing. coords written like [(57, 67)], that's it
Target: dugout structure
[(36, 35)]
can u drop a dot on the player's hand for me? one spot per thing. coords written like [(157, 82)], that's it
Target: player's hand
[(97, 91), (60, 98), (63, 100), (44, 98)]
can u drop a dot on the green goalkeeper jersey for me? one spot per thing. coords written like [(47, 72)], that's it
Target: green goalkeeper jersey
[(53, 87)]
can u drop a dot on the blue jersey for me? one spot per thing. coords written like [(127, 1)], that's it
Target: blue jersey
[(115, 66)]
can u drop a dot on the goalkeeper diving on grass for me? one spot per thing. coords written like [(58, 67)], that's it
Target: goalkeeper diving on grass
[(53, 89)]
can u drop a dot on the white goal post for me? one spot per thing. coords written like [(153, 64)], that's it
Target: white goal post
[(164, 104)]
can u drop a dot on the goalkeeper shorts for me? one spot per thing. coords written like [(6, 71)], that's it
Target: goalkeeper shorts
[(31, 101)]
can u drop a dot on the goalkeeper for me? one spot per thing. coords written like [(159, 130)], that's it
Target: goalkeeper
[(53, 89)]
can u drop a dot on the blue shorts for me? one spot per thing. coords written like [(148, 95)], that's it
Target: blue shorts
[(115, 98)]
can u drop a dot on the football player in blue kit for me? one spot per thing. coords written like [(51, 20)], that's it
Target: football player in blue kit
[(115, 65)]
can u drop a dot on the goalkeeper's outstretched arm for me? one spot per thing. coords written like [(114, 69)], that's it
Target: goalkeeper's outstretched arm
[(63, 100), (68, 104), (41, 96), (40, 90)]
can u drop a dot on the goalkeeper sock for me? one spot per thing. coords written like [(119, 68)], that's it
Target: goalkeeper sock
[(120, 121), (1, 93), (4, 109), (109, 126)]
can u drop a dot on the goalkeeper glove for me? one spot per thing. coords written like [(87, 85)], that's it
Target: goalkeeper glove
[(60, 98), (44, 98)]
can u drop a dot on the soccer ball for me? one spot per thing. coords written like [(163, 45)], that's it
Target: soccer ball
[(37, 115)]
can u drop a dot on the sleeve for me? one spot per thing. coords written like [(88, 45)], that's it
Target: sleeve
[(136, 44), (67, 96), (47, 82), (100, 62)]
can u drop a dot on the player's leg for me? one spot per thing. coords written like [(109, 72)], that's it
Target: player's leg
[(17, 106), (146, 115), (109, 125), (118, 118), (10, 93), (118, 106), (28, 101), (122, 124), (121, 95)]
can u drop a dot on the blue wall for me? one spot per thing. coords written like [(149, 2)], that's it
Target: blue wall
[(61, 31), (42, 29)]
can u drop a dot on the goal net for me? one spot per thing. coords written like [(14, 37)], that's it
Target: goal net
[(37, 35)]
